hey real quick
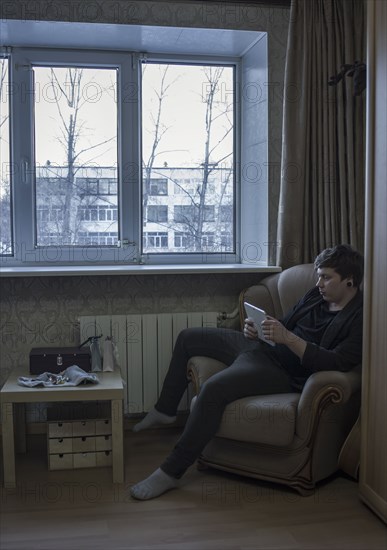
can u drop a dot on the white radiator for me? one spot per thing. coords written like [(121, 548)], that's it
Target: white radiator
[(144, 344)]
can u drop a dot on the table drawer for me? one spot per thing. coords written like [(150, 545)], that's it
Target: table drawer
[(79, 444), (84, 460), (103, 443), (83, 444), (60, 429), (83, 427), (60, 461), (103, 427), (60, 445), (104, 458)]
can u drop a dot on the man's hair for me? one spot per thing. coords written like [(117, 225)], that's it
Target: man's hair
[(346, 261)]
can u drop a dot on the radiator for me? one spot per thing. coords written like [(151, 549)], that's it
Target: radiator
[(144, 345)]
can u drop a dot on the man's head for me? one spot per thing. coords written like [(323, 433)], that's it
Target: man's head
[(346, 261)]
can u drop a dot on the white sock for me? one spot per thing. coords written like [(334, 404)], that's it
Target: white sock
[(153, 418), (153, 486)]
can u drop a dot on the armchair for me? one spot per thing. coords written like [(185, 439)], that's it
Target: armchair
[(293, 438)]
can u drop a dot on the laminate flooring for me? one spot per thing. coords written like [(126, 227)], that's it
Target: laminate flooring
[(82, 509)]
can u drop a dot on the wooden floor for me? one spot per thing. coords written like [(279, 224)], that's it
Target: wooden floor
[(82, 509)]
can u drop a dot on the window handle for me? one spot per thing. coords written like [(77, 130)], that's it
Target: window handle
[(126, 242)]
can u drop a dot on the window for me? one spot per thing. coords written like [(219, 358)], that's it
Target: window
[(158, 214), (226, 213), (53, 214), (6, 245), (208, 240), (139, 156), (155, 240), (183, 240), (157, 186), (225, 241), (75, 119), (209, 213), (96, 238), (90, 185), (97, 212), (185, 214), (194, 106)]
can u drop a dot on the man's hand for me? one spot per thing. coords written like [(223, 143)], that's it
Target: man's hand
[(249, 329), (275, 331)]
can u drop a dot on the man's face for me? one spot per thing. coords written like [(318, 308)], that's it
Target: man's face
[(332, 287)]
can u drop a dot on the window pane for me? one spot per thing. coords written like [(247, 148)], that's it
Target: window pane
[(188, 155), (76, 156), (6, 246), (158, 213)]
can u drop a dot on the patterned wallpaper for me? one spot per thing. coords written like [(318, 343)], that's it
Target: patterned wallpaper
[(250, 15), (43, 311)]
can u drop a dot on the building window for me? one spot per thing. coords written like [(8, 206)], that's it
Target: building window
[(155, 240), (50, 215), (208, 240), (97, 213), (185, 214), (97, 238), (158, 214), (209, 213), (157, 186), (225, 241), (88, 184), (226, 213), (183, 240)]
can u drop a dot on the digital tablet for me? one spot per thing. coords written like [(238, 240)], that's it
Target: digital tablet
[(257, 315)]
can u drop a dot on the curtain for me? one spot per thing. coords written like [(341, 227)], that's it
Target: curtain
[(322, 193)]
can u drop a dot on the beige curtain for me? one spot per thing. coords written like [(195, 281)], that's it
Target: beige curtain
[(322, 178)]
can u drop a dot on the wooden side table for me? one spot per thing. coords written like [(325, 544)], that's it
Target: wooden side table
[(12, 395)]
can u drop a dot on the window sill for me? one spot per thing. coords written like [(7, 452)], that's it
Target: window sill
[(144, 269)]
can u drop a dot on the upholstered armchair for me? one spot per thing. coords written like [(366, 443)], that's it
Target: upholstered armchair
[(294, 438)]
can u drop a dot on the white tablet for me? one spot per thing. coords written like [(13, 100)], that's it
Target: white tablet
[(257, 315)]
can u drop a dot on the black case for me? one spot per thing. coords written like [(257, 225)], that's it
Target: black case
[(56, 360)]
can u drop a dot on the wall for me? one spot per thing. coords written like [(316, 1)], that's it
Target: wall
[(44, 310), (373, 459)]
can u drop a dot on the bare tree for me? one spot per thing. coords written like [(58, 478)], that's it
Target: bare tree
[(158, 130), (214, 110)]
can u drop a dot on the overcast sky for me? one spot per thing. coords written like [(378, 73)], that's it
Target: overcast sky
[(183, 114)]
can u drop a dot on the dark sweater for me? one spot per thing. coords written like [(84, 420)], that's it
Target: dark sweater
[(336, 345)]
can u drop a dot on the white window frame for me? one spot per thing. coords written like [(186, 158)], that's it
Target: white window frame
[(27, 253), (249, 249), (6, 166)]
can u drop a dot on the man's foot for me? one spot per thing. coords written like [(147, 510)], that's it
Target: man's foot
[(153, 486), (153, 418)]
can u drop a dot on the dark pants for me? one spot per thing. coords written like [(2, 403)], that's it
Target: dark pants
[(250, 371)]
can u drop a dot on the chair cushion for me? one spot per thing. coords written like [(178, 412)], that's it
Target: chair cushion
[(293, 283), (265, 419), (278, 293)]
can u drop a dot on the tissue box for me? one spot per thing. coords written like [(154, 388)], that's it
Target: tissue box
[(57, 359)]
